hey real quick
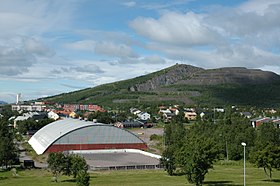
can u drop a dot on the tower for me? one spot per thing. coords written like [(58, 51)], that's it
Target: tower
[(18, 98)]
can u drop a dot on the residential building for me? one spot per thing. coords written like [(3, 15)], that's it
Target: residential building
[(246, 114), (73, 115), (29, 107), (144, 116), (190, 115), (53, 115), (256, 122)]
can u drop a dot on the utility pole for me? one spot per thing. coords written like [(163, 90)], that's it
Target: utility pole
[(244, 145)]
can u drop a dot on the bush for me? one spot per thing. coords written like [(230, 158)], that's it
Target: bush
[(155, 137), (83, 178)]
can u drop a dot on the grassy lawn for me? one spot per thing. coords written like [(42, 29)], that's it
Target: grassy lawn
[(221, 175), (31, 178)]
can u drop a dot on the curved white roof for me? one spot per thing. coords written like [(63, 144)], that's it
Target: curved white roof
[(43, 138), (66, 131)]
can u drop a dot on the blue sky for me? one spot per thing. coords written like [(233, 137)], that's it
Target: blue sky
[(49, 47)]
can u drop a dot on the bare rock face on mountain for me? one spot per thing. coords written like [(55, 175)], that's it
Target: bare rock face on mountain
[(190, 75), (168, 77)]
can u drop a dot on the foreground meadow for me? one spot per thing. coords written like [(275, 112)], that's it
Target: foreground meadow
[(221, 175)]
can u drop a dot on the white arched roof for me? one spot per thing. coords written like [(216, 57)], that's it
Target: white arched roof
[(47, 135)]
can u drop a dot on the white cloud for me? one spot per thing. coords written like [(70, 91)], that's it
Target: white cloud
[(34, 17), (129, 3), (14, 61), (227, 56), (86, 45), (217, 38), (90, 68), (154, 59), (156, 5), (275, 69), (19, 53), (37, 48), (102, 35), (257, 6), (105, 44), (245, 24), (176, 28), (114, 50), (105, 48), (23, 24)]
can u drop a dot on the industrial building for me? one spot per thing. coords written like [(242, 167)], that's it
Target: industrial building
[(73, 134)]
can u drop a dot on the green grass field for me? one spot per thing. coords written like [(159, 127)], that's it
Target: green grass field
[(221, 175)]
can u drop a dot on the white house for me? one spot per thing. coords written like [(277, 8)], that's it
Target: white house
[(135, 111), (53, 115), (165, 111), (144, 116)]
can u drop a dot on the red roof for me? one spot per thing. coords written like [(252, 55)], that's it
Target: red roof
[(62, 112)]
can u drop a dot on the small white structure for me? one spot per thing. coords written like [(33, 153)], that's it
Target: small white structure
[(53, 115), (219, 110), (202, 114), (135, 111), (18, 98), (165, 111), (144, 116)]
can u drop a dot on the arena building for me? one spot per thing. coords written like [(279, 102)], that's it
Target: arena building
[(73, 134)]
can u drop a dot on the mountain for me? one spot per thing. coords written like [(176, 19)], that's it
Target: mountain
[(184, 84), (189, 75), (3, 102)]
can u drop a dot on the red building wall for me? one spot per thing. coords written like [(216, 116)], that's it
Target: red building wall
[(66, 147)]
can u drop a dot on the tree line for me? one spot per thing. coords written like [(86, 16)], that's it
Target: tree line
[(9, 153), (192, 151)]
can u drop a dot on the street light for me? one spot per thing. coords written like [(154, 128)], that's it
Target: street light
[(244, 145)]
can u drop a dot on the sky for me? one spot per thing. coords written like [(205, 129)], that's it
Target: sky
[(48, 47)]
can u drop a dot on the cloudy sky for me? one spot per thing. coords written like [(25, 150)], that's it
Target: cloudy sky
[(49, 47)]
